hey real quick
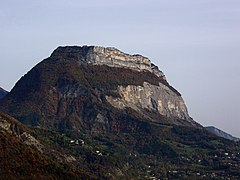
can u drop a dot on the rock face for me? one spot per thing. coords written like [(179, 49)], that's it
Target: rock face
[(90, 87), (156, 98), (221, 133), (109, 56), (2, 93)]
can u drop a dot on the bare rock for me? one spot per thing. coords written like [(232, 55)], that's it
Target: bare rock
[(106, 56), (159, 98)]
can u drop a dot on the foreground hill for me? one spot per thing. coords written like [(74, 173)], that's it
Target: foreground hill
[(152, 150), (104, 114), (22, 155)]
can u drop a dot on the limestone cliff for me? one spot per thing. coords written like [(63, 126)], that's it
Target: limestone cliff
[(109, 56), (157, 98)]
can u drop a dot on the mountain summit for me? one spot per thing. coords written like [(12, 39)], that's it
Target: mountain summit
[(109, 56), (85, 87)]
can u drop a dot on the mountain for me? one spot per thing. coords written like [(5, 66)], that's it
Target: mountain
[(2, 93), (104, 114), (86, 87), (221, 133)]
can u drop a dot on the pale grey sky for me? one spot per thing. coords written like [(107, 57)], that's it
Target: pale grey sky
[(196, 43)]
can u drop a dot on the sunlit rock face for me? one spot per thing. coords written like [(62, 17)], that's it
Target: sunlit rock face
[(157, 98)]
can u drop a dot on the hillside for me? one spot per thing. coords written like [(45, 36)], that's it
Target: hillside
[(148, 150), (104, 114), (21, 155)]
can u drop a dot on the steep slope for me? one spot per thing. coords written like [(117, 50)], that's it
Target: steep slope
[(21, 155), (82, 87), (221, 133), (2, 93)]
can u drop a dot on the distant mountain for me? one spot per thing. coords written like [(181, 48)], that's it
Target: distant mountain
[(2, 93), (221, 133)]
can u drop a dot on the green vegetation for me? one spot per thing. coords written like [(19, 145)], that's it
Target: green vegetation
[(148, 150)]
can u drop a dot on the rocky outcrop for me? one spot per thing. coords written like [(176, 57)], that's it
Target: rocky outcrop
[(12, 127), (109, 56)]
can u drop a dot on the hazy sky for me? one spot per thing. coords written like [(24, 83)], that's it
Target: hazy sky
[(196, 43)]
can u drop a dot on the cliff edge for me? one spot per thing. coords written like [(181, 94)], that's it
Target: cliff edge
[(109, 56)]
